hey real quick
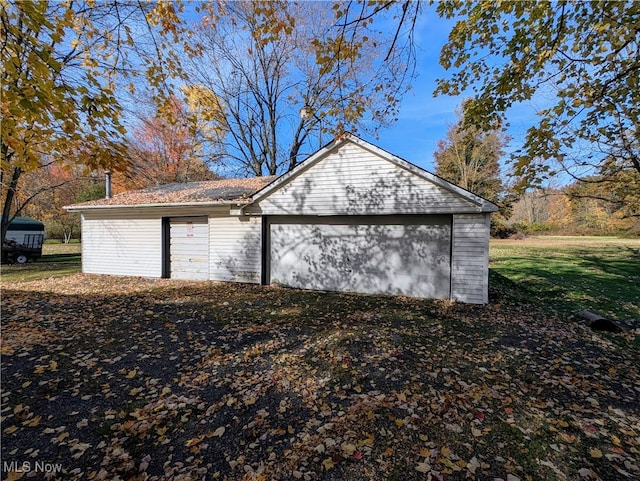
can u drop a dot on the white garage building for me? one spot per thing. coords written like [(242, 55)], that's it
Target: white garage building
[(352, 217)]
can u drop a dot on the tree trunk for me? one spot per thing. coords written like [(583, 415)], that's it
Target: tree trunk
[(298, 140), (6, 209)]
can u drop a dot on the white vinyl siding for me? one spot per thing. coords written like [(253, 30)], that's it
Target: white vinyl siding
[(470, 263), (400, 255), (236, 249), (355, 181), (351, 218), (122, 246), (189, 248)]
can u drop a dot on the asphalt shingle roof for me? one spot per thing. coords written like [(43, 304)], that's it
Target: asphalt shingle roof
[(225, 190)]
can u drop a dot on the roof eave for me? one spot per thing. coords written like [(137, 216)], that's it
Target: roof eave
[(81, 208)]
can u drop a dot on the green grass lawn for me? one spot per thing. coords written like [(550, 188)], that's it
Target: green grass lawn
[(57, 260), (568, 274)]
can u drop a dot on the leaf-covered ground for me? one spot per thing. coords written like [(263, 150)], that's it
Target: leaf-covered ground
[(120, 378)]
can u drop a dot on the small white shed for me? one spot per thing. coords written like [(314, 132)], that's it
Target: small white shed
[(352, 217)]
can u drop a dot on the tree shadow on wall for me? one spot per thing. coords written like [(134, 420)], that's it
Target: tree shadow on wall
[(370, 258)]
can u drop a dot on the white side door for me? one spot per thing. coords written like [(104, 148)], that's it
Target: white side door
[(189, 248)]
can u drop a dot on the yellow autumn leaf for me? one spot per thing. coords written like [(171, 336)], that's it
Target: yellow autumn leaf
[(53, 366), (161, 431), (446, 452), (33, 422), (368, 441), (328, 464), (423, 467), (132, 373), (595, 453), (194, 441), (348, 449), (62, 436), (615, 440), (219, 432), (13, 475), (11, 429)]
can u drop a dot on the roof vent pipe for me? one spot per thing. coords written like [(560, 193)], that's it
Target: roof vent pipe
[(107, 184)]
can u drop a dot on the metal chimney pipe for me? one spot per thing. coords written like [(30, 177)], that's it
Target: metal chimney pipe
[(107, 180)]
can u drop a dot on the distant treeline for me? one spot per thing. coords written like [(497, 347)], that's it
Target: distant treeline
[(557, 211)]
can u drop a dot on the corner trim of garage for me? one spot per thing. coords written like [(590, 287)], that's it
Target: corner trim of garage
[(264, 261), (166, 246), (451, 234)]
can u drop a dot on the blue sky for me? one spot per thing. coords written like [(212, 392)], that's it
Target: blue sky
[(424, 119)]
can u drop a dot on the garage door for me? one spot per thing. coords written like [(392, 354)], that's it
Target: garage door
[(189, 248), (404, 255)]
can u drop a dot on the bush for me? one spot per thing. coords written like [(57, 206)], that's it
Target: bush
[(502, 231)]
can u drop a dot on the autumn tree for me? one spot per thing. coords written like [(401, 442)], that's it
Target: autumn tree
[(63, 66), (537, 209), (581, 58), (470, 157), (579, 208), (614, 195), (288, 75), (52, 187), (178, 143)]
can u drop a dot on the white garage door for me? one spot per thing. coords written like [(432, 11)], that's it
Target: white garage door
[(189, 248), (405, 255)]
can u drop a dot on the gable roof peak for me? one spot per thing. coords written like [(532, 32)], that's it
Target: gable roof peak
[(344, 137)]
